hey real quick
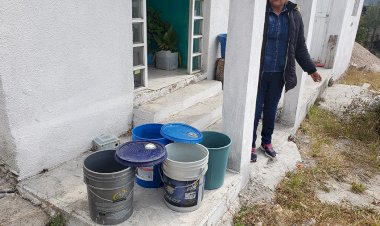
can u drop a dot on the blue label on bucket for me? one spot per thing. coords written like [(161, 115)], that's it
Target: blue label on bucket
[(183, 193)]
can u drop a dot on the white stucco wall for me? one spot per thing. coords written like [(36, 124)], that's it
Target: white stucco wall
[(216, 23), (346, 38), (66, 74)]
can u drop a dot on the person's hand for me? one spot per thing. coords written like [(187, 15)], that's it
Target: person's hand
[(316, 77)]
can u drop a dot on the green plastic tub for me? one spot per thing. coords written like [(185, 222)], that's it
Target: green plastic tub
[(218, 145)]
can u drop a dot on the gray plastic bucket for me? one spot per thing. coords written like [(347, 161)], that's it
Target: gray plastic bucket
[(184, 176), (109, 188)]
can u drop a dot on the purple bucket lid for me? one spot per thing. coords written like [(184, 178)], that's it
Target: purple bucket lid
[(141, 153)]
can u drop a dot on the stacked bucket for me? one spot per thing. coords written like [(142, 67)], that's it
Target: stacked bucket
[(176, 156)]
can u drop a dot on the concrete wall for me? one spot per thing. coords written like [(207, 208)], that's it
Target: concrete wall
[(216, 22), (347, 36), (66, 77)]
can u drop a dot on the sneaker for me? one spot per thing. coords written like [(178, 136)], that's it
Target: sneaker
[(268, 150), (253, 155)]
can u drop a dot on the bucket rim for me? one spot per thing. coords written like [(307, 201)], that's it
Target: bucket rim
[(91, 171), (187, 163), (215, 132), (148, 139)]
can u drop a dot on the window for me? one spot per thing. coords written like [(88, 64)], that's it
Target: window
[(139, 43), (195, 36)]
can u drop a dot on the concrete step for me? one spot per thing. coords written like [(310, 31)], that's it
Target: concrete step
[(163, 83), (63, 189), (200, 115), (175, 102)]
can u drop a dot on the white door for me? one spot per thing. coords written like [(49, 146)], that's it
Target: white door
[(140, 69), (196, 23), (320, 30)]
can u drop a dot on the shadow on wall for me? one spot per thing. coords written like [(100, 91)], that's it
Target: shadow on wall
[(6, 141)]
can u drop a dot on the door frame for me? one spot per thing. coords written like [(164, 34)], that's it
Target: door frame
[(142, 21), (193, 18)]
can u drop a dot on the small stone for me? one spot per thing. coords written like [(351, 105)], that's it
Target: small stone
[(376, 202), (374, 68), (366, 86), (278, 208), (304, 139), (310, 222), (260, 224), (300, 165), (303, 205)]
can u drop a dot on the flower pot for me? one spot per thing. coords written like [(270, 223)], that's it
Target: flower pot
[(167, 60)]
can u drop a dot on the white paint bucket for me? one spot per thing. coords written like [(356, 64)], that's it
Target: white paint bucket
[(184, 176)]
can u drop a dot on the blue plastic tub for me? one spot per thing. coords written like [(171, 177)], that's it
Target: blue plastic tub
[(150, 59), (223, 41), (149, 177)]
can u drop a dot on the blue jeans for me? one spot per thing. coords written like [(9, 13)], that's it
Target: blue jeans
[(268, 95)]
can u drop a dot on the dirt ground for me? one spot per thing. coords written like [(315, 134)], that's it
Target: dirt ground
[(362, 59), (14, 210)]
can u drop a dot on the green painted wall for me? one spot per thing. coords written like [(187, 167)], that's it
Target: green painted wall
[(176, 12)]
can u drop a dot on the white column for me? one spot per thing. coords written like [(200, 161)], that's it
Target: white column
[(293, 99), (245, 29)]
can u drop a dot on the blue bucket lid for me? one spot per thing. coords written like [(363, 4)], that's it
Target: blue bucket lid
[(181, 133), (141, 153)]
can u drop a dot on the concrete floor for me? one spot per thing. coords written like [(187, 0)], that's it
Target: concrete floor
[(62, 188), (158, 79)]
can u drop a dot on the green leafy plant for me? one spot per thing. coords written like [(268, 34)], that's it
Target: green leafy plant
[(168, 41), (155, 26), (56, 220), (358, 188), (160, 34)]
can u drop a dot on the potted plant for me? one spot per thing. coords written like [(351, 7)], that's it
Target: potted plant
[(162, 42), (167, 58)]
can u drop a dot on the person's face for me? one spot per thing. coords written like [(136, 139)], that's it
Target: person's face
[(277, 3)]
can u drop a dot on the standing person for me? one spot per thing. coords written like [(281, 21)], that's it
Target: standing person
[(283, 44)]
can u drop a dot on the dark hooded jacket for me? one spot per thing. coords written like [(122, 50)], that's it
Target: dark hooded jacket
[(296, 49)]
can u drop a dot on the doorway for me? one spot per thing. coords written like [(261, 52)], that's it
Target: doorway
[(186, 18), (321, 24)]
